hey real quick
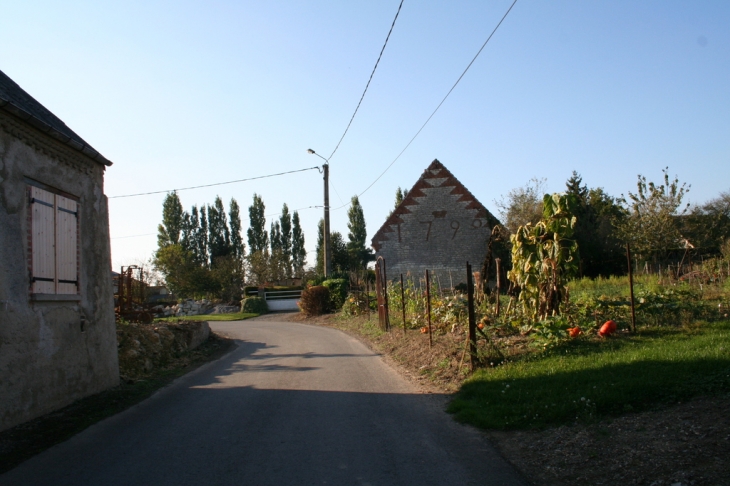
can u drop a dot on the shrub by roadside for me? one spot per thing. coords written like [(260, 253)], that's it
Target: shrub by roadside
[(254, 305), (315, 301)]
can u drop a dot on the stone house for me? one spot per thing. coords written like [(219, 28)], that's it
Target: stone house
[(439, 226), (57, 330)]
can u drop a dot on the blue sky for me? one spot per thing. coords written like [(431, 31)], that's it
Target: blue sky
[(182, 93)]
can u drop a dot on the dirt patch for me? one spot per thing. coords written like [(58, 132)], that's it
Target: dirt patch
[(438, 368), (687, 444), (26, 440), (679, 445)]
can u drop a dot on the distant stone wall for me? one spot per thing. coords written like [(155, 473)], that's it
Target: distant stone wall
[(439, 226), (58, 348)]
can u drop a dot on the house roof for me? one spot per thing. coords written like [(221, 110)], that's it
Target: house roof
[(434, 171), (14, 100)]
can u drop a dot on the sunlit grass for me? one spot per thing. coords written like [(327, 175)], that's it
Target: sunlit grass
[(589, 379)]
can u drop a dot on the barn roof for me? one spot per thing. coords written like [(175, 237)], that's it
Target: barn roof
[(14, 100), (434, 171)]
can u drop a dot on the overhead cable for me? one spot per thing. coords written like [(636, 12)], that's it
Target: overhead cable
[(437, 108), (216, 184), (368, 84)]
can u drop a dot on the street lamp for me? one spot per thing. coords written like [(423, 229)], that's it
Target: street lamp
[(326, 239)]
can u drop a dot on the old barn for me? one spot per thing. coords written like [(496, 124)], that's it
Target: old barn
[(439, 226)]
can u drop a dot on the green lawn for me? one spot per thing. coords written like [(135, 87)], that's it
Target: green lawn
[(238, 316), (589, 379)]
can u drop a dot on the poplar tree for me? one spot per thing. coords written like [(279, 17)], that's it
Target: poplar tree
[(258, 241), (218, 233), (277, 257), (285, 224), (201, 238), (194, 228), (258, 238), (359, 254), (186, 233), (238, 248), (299, 254), (168, 233)]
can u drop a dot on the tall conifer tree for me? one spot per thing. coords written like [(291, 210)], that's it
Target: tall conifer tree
[(286, 239), (168, 233), (299, 254), (258, 238), (359, 254), (238, 248)]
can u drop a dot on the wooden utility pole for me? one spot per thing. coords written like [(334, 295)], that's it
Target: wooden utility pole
[(326, 239)]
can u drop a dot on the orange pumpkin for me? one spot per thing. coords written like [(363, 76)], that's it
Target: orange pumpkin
[(574, 331), (608, 327)]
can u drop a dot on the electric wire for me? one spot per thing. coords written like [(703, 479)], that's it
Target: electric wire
[(437, 108), (368, 84), (216, 184)]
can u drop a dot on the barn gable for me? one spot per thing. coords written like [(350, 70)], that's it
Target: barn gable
[(439, 226)]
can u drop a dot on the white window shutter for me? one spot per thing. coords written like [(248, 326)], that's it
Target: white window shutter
[(42, 241), (66, 245)]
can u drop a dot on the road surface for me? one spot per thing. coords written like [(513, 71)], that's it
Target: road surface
[(292, 405)]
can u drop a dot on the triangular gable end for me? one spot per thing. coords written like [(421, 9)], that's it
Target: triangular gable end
[(434, 171)]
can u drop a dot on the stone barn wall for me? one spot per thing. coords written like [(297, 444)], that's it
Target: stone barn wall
[(54, 347), (439, 226)]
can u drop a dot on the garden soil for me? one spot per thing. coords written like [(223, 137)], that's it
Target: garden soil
[(679, 445)]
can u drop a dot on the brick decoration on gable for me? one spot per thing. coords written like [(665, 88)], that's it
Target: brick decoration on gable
[(440, 225)]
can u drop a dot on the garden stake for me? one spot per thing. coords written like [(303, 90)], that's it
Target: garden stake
[(499, 281), (631, 289), (472, 318), (403, 303), (367, 296), (466, 345), (428, 308)]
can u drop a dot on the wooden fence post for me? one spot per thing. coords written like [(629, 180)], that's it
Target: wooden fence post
[(472, 317), (499, 283), (403, 302), (631, 288), (428, 308)]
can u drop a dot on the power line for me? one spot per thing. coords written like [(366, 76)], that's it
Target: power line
[(131, 236), (368, 84), (439, 105), (216, 184)]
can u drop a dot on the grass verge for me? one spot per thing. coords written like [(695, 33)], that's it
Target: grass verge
[(238, 316), (586, 380), (26, 440)]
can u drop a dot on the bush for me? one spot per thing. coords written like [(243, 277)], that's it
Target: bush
[(254, 305), (356, 304), (315, 301), (338, 291)]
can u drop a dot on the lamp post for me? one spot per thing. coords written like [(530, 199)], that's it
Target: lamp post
[(326, 239)]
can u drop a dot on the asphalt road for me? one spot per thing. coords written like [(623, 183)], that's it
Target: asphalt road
[(292, 405)]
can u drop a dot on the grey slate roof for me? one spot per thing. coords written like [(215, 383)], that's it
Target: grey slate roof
[(15, 100)]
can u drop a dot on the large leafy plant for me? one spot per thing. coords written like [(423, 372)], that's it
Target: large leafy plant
[(544, 257)]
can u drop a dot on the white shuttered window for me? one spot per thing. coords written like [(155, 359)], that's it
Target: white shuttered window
[(54, 243)]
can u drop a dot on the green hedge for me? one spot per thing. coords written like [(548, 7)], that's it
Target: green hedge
[(254, 305), (338, 291)]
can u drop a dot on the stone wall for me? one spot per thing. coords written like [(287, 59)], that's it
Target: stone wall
[(55, 350), (439, 226)]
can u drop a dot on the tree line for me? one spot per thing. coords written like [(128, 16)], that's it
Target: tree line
[(656, 221), (202, 252)]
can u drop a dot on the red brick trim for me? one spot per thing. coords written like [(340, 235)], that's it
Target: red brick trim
[(435, 170)]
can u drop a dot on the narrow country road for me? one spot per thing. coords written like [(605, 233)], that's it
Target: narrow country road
[(292, 405)]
